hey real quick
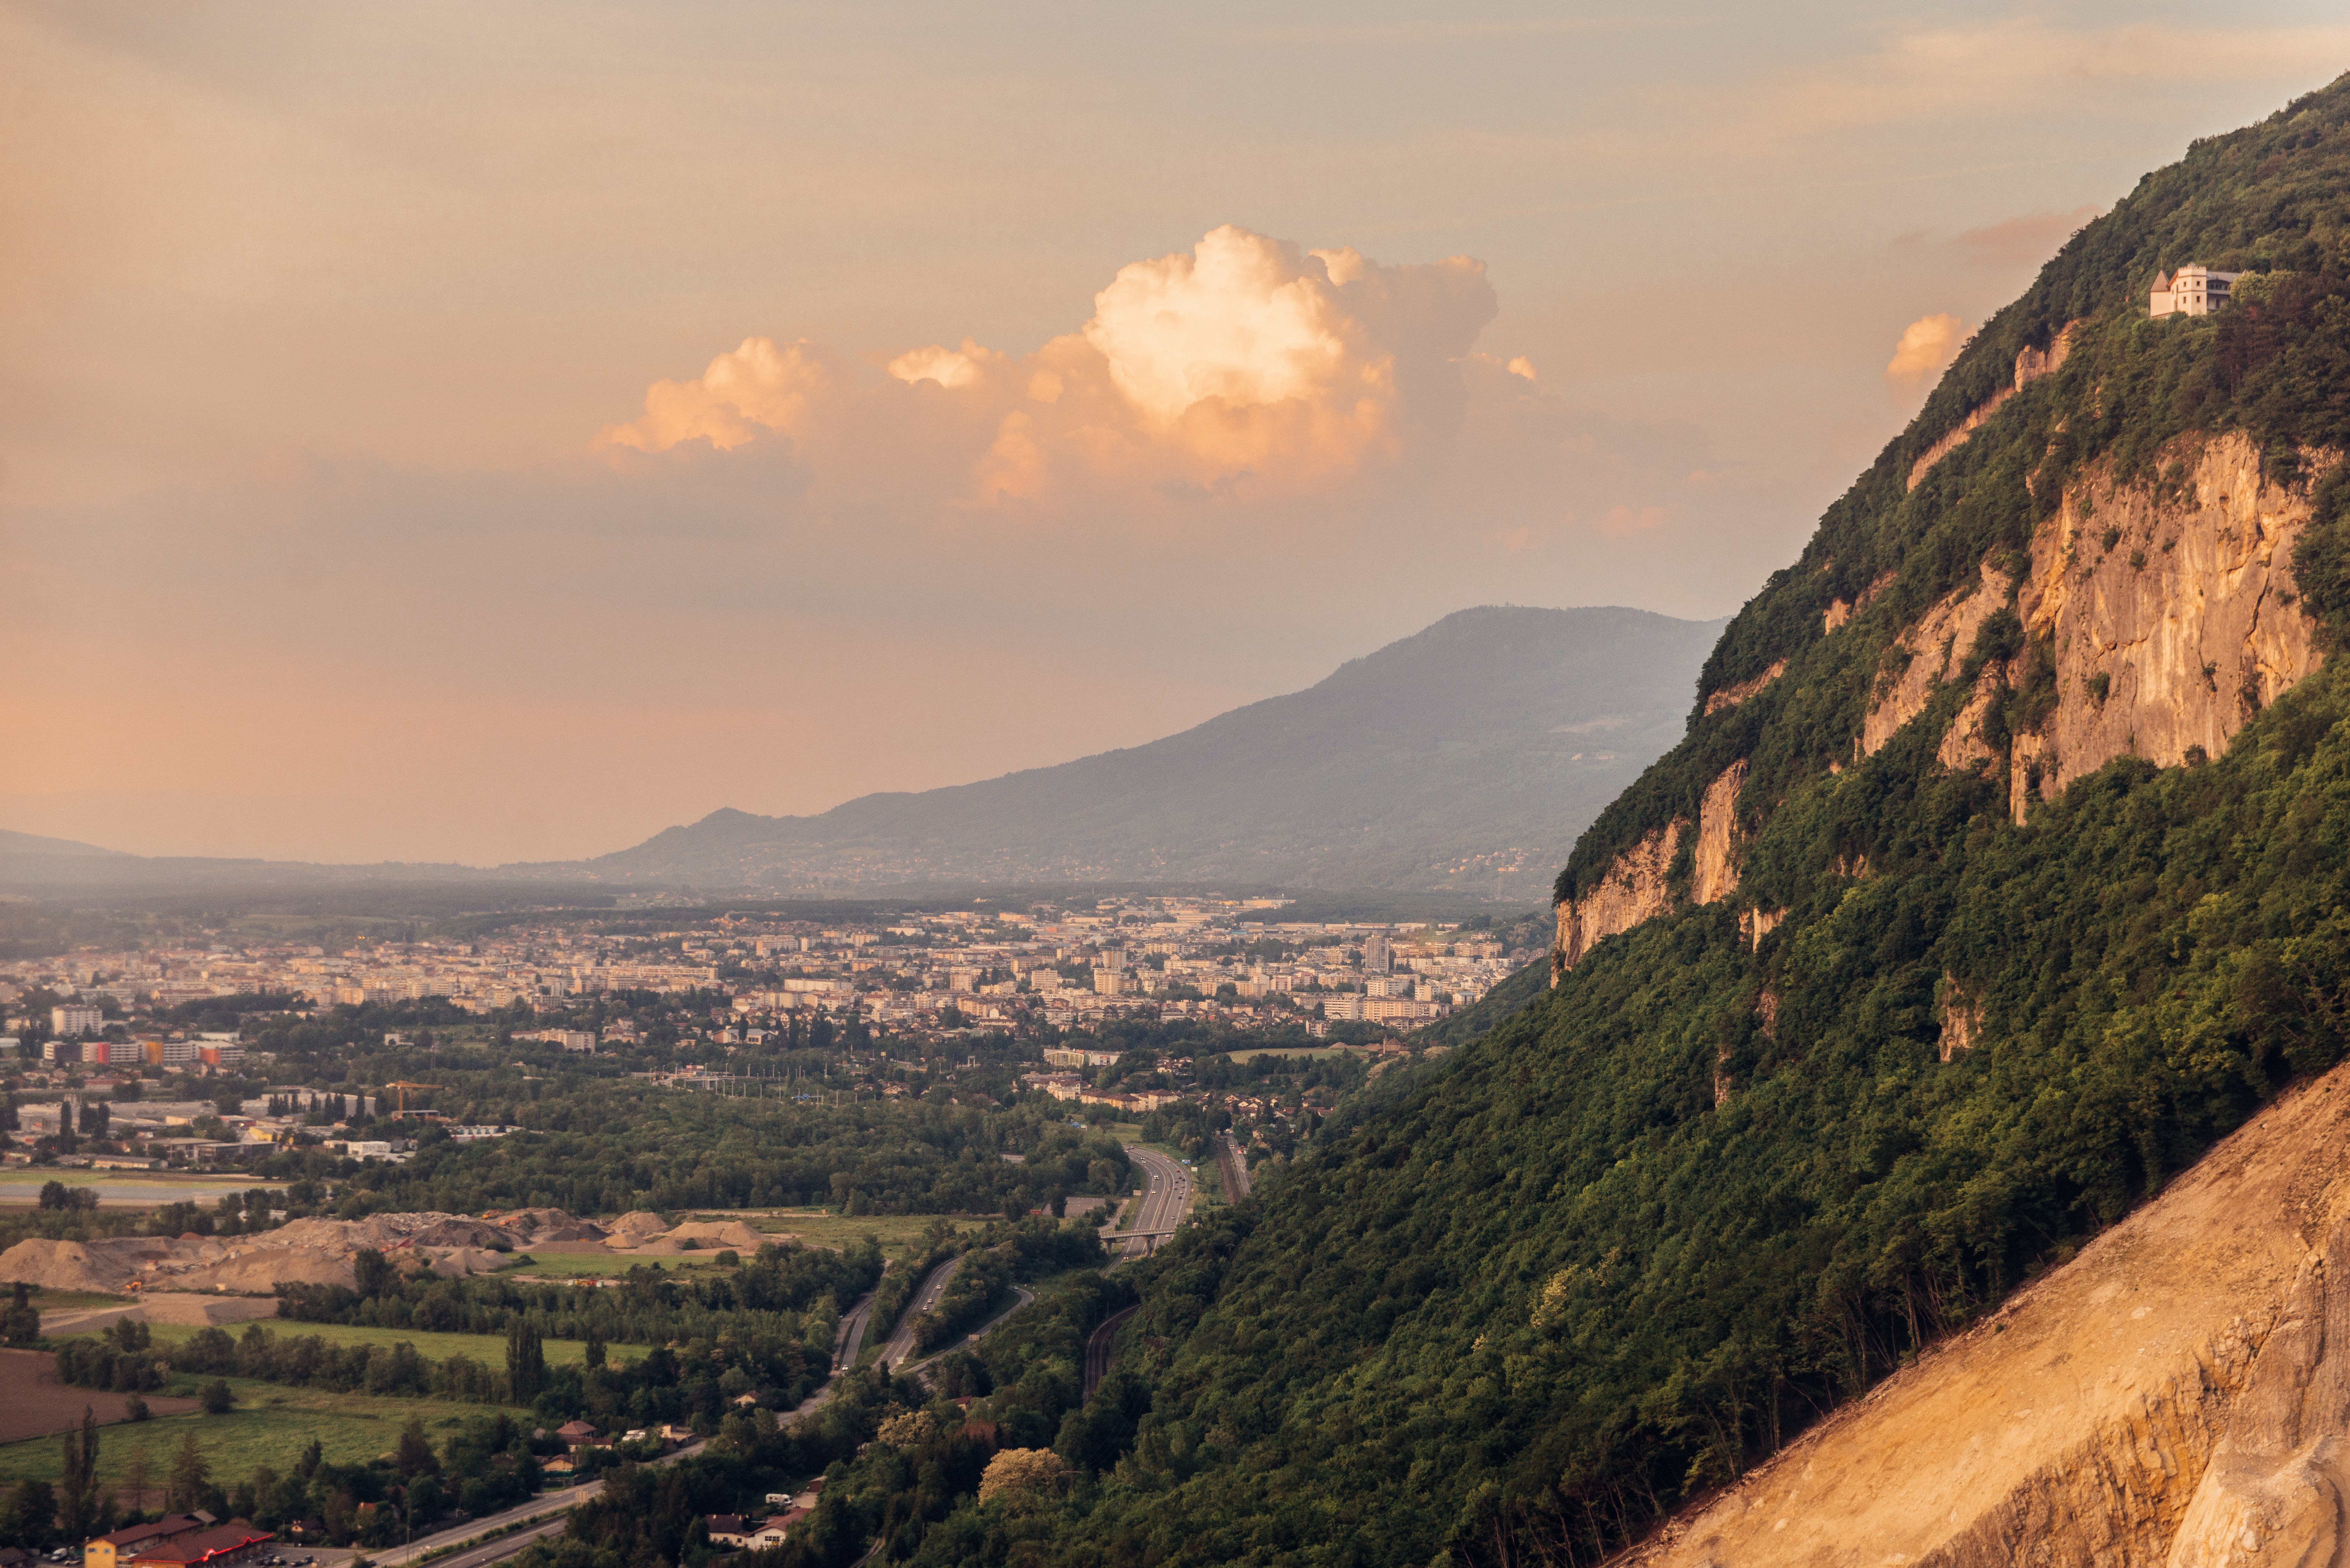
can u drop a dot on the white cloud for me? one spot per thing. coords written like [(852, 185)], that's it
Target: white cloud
[(1243, 359), (1927, 345)]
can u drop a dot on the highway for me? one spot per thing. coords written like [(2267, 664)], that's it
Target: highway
[(1166, 1198), (900, 1345), (851, 1337), (552, 1508)]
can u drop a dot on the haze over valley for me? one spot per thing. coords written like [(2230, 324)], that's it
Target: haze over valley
[(1060, 789)]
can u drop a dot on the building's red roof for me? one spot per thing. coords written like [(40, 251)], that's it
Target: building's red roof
[(170, 1524), (206, 1544)]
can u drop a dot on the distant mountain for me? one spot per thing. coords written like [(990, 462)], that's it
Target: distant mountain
[(17, 846), (1464, 759)]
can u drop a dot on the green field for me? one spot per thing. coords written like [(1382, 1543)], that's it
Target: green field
[(125, 1188), (269, 1427), (489, 1349), (74, 1301)]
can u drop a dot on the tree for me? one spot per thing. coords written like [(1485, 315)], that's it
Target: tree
[(93, 1120), (218, 1397), (77, 1507), (374, 1274), (526, 1363), (135, 1475), (1022, 1477), (312, 1453), (21, 1323), (128, 1091), (415, 1456), (31, 1518), (54, 1195), (594, 1355), (190, 1477)]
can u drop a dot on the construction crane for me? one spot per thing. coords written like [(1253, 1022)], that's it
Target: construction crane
[(403, 1089)]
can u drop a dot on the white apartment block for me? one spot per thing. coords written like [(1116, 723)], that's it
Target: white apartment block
[(74, 1018)]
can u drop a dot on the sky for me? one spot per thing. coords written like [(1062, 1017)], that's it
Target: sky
[(471, 433)]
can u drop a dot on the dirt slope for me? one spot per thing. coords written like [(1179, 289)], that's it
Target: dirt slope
[(2080, 1425)]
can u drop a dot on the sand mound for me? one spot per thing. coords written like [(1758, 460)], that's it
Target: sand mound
[(635, 1227), (714, 1234), (262, 1270), (543, 1225), (460, 1263), (463, 1233), (66, 1266)]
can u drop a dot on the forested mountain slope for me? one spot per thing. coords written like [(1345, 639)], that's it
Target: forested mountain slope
[(2007, 877), (1464, 758)]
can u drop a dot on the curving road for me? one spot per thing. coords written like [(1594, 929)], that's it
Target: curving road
[(554, 1508), (1101, 1346), (851, 1337)]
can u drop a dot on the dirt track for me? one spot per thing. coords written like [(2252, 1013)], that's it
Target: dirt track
[(33, 1403)]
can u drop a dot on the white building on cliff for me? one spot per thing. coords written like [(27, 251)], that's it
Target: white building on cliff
[(2189, 291)]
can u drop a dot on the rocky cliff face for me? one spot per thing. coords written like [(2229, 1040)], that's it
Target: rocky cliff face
[(2031, 364), (2164, 613), (1633, 890), (1638, 886), (2178, 1395), (1928, 654), (2171, 613)]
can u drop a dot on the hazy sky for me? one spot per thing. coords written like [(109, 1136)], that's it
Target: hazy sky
[(499, 432)]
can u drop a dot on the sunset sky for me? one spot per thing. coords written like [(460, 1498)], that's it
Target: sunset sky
[(486, 433)]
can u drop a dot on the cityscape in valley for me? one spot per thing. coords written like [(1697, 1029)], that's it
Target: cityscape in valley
[(769, 811)]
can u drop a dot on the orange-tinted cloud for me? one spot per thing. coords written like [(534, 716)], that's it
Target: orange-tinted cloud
[(1245, 359), (1927, 345)]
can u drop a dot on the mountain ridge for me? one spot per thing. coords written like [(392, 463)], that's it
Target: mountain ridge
[(1400, 770)]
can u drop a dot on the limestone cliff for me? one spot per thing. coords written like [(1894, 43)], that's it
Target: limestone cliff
[(2179, 1394), (1928, 654), (2170, 610), (2031, 364), (1632, 891), (1636, 886), (1731, 696)]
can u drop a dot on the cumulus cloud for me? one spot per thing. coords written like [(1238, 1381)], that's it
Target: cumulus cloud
[(1245, 361), (1927, 345)]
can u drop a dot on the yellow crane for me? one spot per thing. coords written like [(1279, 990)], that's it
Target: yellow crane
[(403, 1089)]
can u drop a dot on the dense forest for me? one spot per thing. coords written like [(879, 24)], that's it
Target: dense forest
[(1607, 1255)]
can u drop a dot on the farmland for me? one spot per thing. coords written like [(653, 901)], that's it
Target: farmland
[(490, 1350)]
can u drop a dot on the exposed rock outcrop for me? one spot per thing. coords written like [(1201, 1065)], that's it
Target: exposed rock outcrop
[(1756, 924), (1840, 610), (1715, 862), (2172, 612), (1968, 741), (1732, 695), (1635, 887), (2031, 364), (2178, 1394), (1632, 891), (1959, 1011), (1929, 653)]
